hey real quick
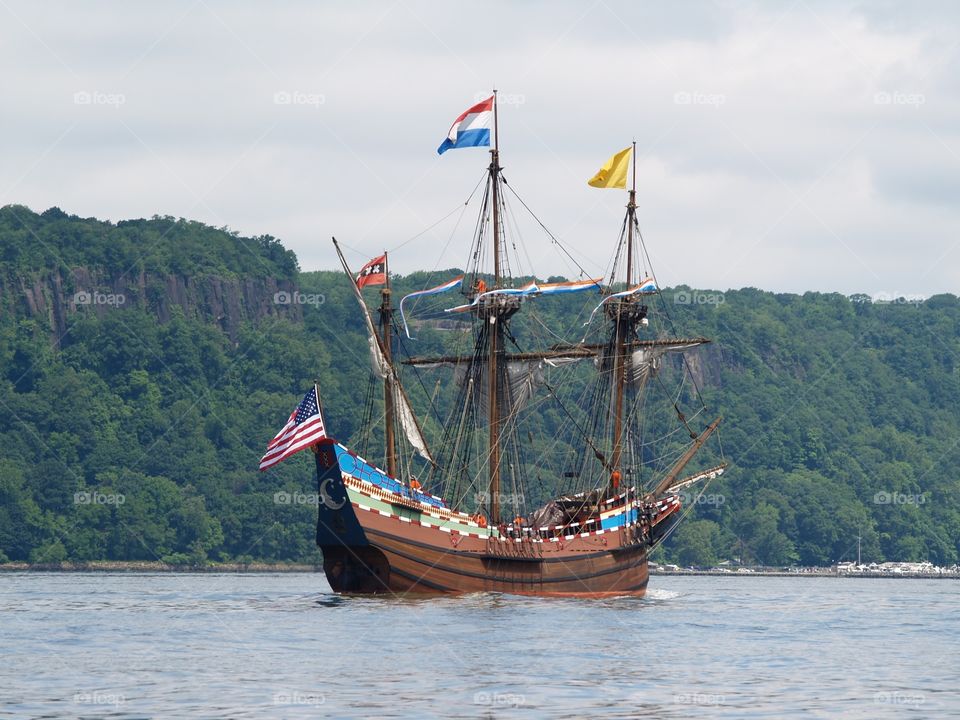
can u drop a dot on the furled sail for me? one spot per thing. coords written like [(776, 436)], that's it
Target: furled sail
[(383, 369), (524, 375), (561, 353), (523, 378), (408, 421), (645, 362)]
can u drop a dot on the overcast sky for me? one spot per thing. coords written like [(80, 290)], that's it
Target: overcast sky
[(787, 146)]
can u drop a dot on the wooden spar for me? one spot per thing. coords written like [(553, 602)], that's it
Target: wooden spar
[(557, 353), (388, 390), (670, 478), (495, 331), (708, 474)]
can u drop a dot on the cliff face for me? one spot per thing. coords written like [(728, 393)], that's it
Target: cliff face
[(55, 296), (54, 265), (705, 364)]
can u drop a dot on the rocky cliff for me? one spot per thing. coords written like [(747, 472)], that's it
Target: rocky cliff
[(55, 265)]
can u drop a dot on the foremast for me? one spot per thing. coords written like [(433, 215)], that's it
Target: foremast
[(627, 313), (386, 341), (397, 408)]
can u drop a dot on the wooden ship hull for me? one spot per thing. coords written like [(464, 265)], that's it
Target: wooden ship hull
[(377, 536)]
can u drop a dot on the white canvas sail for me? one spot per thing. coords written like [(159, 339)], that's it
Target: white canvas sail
[(383, 369)]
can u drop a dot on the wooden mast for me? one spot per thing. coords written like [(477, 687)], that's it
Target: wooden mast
[(386, 338), (408, 420), (631, 215), (495, 331), (623, 323)]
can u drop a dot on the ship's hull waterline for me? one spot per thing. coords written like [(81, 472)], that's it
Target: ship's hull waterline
[(375, 541)]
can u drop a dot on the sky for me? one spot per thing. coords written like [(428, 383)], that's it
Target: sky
[(789, 146)]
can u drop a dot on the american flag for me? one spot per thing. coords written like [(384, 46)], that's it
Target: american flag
[(304, 428)]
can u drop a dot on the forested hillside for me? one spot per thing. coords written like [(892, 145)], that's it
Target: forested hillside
[(144, 365)]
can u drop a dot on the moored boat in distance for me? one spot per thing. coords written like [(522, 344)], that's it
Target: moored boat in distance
[(379, 528)]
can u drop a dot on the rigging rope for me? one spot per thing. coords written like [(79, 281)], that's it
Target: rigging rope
[(556, 241), (462, 207)]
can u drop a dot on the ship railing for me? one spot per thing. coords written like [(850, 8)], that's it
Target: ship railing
[(413, 503), (566, 530), (362, 469)]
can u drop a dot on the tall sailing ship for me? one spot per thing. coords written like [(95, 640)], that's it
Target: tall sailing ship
[(386, 529)]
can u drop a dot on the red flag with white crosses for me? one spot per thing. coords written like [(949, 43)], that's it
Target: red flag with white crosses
[(373, 273)]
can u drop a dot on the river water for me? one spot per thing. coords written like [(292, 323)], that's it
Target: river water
[(263, 646)]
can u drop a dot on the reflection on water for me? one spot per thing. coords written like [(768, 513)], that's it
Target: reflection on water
[(253, 646)]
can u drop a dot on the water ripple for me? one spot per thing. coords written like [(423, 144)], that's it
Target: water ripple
[(253, 646)]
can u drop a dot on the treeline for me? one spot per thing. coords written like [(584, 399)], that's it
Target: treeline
[(135, 439)]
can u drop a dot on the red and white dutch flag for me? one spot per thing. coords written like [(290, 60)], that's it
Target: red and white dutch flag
[(374, 272), (303, 429)]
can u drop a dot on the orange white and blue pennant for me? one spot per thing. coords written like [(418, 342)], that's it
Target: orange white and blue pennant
[(449, 285), (647, 286), (562, 288), (471, 129), (534, 289)]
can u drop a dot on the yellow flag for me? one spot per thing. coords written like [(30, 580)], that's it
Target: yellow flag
[(613, 174)]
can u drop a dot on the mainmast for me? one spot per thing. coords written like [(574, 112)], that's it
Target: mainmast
[(625, 314), (495, 329), (386, 341)]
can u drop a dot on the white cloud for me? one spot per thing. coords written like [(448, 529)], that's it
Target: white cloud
[(786, 169)]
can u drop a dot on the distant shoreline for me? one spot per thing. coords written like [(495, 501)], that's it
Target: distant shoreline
[(116, 566), (811, 572), (154, 567)]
